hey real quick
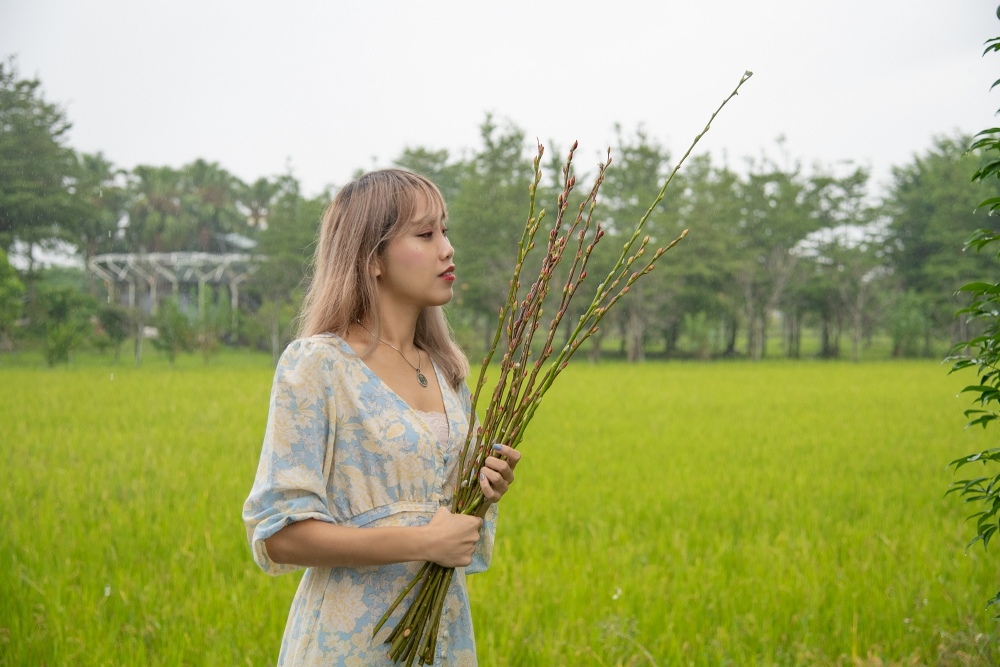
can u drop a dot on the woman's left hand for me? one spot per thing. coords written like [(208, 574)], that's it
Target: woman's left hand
[(497, 474)]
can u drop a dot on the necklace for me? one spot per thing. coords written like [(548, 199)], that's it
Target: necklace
[(420, 376)]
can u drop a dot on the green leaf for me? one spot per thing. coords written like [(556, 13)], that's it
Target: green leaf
[(978, 287), (990, 168), (979, 387)]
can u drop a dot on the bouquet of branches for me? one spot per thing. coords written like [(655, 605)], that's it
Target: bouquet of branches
[(527, 370)]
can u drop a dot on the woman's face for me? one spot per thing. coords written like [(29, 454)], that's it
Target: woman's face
[(416, 269)]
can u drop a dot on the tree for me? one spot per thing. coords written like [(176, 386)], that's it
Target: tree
[(174, 333), (64, 319), (704, 268), (35, 167), (435, 165), (156, 218), (487, 217), (101, 203), (844, 261), (639, 167), (285, 250), (932, 208), (116, 325), (209, 202), (777, 213), (841, 286), (11, 295), (256, 200), (982, 352)]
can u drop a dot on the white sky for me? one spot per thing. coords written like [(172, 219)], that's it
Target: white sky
[(330, 87)]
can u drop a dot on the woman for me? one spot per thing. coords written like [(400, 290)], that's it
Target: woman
[(369, 411)]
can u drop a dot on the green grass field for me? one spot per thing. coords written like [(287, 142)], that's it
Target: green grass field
[(668, 514)]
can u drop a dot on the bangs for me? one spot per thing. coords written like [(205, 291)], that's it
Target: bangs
[(421, 194)]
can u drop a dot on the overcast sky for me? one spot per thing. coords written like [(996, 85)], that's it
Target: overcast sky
[(330, 87)]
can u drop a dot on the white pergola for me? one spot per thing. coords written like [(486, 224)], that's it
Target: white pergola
[(174, 269)]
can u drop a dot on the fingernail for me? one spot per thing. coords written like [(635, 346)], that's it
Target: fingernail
[(482, 476), (497, 447)]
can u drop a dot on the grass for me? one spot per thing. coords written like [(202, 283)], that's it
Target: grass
[(708, 514)]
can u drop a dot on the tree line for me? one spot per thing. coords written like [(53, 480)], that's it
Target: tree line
[(776, 251)]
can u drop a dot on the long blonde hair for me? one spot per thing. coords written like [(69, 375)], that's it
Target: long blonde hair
[(359, 223)]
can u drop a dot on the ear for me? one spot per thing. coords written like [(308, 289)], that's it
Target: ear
[(377, 267)]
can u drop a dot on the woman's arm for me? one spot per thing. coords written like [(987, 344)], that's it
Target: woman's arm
[(448, 540)]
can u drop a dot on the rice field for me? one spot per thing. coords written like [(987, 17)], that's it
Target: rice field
[(664, 514)]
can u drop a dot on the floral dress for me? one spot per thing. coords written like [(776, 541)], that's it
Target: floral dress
[(342, 447)]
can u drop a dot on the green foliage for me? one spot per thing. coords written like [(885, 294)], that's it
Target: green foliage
[(909, 325), (174, 331), (63, 315), (933, 210), (116, 326), (486, 218), (101, 203), (35, 164), (11, 295), (215, 322), (639, 167), (741, 263), (982, 353), (779, 210), (285, 249)]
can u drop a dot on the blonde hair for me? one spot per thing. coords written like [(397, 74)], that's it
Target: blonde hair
[(357, 226)]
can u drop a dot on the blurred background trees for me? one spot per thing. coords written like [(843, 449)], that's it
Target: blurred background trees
[(777, 253)]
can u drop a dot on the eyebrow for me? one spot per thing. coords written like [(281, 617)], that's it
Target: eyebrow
[(429, 219)]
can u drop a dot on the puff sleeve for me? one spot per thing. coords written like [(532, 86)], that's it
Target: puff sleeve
[(297, 453)]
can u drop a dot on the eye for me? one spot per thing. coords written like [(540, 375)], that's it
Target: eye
[(426, 235), (444, 231)]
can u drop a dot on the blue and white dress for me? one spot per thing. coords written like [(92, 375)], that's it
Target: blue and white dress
[(342, 447)]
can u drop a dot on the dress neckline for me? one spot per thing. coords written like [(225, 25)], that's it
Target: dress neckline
[(345, 347)]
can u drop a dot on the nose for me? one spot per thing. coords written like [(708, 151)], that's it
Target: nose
[(448, 251)]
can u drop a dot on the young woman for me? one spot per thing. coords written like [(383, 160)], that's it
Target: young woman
[(368, 414)]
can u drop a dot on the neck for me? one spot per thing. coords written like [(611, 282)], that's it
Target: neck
[(397, 329)]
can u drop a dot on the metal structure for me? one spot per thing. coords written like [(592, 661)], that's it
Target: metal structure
[(173, 269)]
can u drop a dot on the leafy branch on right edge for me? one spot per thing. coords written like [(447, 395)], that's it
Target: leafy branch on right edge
[(983, 351)]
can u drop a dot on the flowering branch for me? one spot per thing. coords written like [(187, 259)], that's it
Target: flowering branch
[(525, 377)]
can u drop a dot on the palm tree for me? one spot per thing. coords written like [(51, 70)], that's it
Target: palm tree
[(156, 218), (210, 201), (257, 200), (102, 202)]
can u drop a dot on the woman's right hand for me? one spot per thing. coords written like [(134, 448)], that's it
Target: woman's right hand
[(451, 538)]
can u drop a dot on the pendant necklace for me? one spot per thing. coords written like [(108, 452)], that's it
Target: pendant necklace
[(420, 376)]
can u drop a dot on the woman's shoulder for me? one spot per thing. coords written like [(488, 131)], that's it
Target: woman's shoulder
[(315, 349)]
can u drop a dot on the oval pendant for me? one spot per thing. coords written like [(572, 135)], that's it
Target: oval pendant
[(421, 379)]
